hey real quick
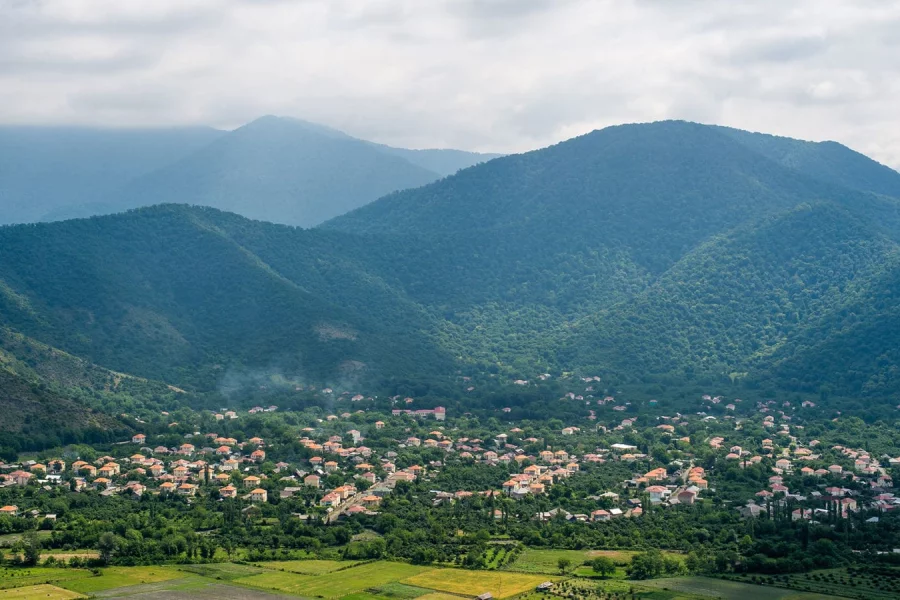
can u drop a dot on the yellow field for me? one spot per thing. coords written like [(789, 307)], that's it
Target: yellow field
[(44, 592), (502, 584)]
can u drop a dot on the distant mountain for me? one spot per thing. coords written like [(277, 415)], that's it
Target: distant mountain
[(275, 169), (49, 169)]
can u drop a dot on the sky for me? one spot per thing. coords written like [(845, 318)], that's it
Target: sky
[(487, 75)]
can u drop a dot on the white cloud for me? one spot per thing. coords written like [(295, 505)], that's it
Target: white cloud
[(502, 75)]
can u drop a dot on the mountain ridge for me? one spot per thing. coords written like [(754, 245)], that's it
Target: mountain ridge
[(643, 252)]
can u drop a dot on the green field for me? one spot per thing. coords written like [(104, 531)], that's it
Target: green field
[(547, 561), (16, 577), (729, 590), (222, 571), (309, 567), (501, 584), (349, 581), (116, 577), (33, 592)]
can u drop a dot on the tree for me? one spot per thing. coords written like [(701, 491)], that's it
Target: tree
[(563, 563), (31, 549), (603, 565), (107, 545)]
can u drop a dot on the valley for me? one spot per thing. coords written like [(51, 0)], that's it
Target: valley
[(655, 360)]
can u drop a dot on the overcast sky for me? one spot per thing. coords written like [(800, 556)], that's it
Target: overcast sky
[(501, 75)]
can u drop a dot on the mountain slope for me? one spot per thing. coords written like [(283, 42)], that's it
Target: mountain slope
[(683, 247), (46, 169), (643, 252), (827, 161), (736, 300), (166, 294)]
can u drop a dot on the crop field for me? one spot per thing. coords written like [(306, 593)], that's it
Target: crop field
[(547, 561), (309, 567), (502, 584), (349, 581), (116, 577), (16, 578), (729, 590), (222, 571), (876, 583), (33, 592)]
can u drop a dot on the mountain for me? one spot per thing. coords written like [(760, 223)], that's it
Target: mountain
[(167, 293), (48, 169), (828, 161), (660, 252), (663, 248), (275, 169)]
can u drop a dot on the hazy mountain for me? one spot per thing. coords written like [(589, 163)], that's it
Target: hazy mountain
[(46, 169), (276, 169)]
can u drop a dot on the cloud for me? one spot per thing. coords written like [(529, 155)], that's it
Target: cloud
[(502, 75)]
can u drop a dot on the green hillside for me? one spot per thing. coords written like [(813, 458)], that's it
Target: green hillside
[(645, 252), (166, 293)]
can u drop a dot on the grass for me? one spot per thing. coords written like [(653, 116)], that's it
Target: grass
[(728, 590), (309, 567), (15, 577), (33, 592), (348, 581), (116, 577), (223, 571), (438, 596), (398, 591), (472, 583)]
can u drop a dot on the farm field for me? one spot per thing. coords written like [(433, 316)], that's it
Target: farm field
[(17, 578), (729, 590), (879, 584), (547, 561), (501, 584), (33, 592), (309, 567), (349, 581), (117, 577)]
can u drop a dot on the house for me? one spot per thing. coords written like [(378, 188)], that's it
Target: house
[(139, 438), (687, 496), (258, 456), (229, 491), (251, 481), (20, 477), (657, 493), (187, 489), (9, 511), (259, 495), (311, 480)]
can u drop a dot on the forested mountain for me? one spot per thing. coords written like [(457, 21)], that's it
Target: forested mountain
[(666, 251), (166, 293), (276, 169), (669, 247)]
